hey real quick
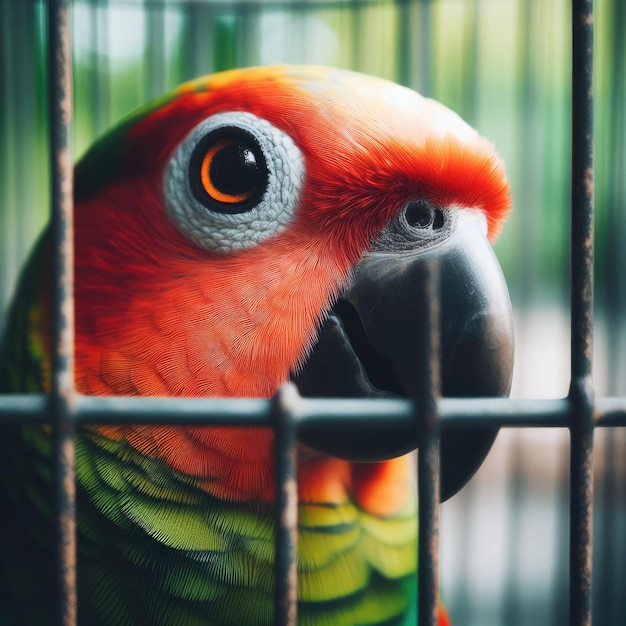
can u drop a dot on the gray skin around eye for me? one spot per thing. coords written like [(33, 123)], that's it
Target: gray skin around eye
[(227, 232), (401, 236)]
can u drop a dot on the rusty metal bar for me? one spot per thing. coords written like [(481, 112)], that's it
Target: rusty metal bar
[(581, 388), (428, 455), (61, 399), (582, 189), (393, 413), (286, 579)]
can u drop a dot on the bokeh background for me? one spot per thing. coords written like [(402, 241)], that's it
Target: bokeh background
[(504, 65)]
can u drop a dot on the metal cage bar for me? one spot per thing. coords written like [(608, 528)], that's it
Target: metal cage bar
[(580, 411), (286, 579), (581, 386), (397, 414), (61, 399), (428, 455)]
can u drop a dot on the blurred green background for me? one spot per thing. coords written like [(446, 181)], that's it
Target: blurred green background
[(503, 65)]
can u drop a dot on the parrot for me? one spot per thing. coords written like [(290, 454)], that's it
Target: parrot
[(253, 227)]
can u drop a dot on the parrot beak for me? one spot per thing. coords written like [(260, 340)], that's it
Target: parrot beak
[(370, 347)]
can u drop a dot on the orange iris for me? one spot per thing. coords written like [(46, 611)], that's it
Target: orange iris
[(205, 175)]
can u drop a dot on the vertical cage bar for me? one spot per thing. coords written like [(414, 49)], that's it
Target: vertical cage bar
[(61, 400), (581, 390), (428, 456), (286, 575)]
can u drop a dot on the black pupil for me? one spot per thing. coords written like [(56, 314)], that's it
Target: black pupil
[(420, 214), (234, 170)]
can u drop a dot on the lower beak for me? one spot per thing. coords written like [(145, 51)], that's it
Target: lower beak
[(370, 346)]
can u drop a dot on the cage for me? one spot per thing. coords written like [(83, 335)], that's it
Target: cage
[(506, 67)]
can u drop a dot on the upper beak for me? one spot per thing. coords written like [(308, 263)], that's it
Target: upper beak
[(370, 346)]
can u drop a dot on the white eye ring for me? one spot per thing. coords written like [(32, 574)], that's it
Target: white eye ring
[(263, 212)]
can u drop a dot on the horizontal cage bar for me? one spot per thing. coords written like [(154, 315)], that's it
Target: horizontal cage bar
[(391, 413)]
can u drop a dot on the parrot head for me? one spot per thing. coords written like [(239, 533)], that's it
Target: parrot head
[(268, 223)]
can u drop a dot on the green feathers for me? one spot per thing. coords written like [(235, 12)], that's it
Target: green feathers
[(188, 547)]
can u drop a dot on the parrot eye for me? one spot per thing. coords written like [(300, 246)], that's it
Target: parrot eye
[(420, 214), (418, 225), (227, 171), (234, 181)]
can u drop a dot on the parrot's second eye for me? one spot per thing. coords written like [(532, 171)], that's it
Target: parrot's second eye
[(227, 171), (421, 214), (234, 181), (417, 226)]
